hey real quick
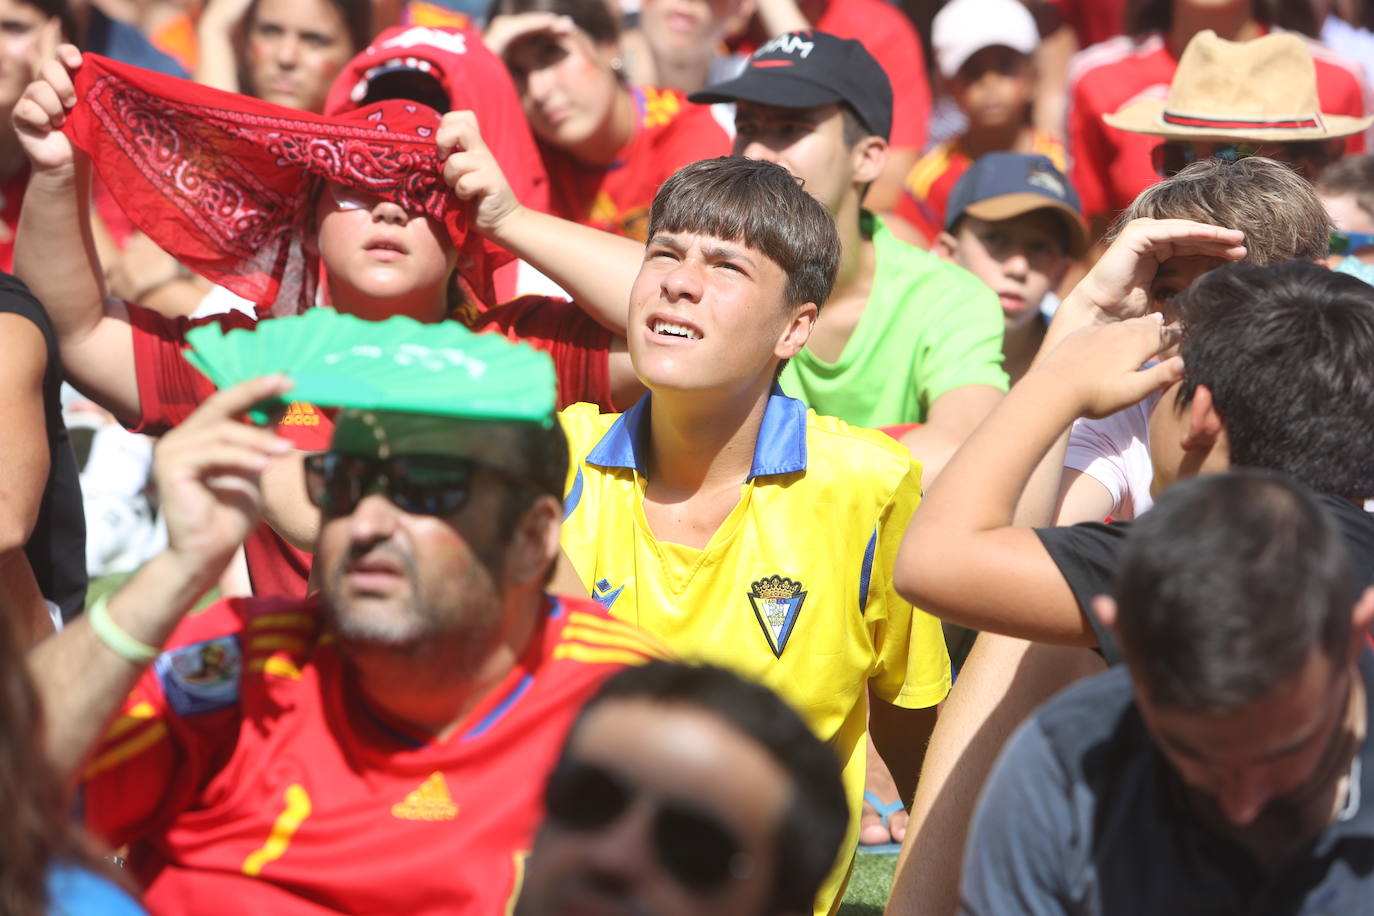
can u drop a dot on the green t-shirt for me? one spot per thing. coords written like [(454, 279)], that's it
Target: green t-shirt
[(929, 326)]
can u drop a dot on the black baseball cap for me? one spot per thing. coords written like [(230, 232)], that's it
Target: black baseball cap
[(810, 68), (1005, 185)]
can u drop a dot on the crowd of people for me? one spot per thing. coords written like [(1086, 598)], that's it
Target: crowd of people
[(603, 456)]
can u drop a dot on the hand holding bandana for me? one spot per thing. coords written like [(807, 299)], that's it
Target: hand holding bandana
[(222, 181)]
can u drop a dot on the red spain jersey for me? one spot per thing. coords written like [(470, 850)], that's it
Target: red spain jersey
[(169, 389), (249, 777), (670, 132), (925, 196), (1110, 166)]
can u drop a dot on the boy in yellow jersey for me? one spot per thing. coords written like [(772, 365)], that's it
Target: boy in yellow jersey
[(728, 519)]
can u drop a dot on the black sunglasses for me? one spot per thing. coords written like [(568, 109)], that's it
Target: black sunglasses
[(418, 484), (693, 846)]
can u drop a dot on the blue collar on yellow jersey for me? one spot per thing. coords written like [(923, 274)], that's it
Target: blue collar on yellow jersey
[(780, 449)]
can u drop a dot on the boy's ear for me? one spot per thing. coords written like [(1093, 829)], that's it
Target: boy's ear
[(947, 246), (1205, 425), (867, 159), (797, 332)]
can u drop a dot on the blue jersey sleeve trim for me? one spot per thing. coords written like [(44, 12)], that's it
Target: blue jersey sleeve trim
[(866, 571)]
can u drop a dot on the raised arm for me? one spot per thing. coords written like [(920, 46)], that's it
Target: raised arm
[(207, 475), (962, 558), (1119, 286), (596, 268), (55, 252), (216, 59)]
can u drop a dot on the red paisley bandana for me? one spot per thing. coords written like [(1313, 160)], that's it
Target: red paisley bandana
[(222, 181)]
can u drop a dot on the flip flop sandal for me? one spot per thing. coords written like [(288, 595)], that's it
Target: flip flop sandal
[(885, 811)]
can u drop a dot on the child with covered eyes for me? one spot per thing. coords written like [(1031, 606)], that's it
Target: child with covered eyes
[(264, 201)]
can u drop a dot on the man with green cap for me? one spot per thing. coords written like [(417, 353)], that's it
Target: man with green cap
[(380, 746)]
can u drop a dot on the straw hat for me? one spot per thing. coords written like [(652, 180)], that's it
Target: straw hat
[(1265, 89)]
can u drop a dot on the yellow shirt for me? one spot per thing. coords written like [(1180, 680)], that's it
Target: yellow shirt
[(794, 590)]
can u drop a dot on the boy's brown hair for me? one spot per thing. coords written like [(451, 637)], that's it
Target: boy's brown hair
[(1274, 206)]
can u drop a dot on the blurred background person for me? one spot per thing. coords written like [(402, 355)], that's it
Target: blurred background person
[(47, 868), (282, 51), (607, 144), (983, 49), (639, 819), (1111, 166), (29, 32), (682, 44), (1346, 189)]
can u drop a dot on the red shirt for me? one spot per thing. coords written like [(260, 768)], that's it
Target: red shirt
[(892, 40), (249, 777), (925, 195), (169, 389), (1093, 20), (1111, 166), (11, 202), (670, 132)]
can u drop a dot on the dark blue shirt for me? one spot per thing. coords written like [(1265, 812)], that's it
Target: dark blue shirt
[(1083, 815)]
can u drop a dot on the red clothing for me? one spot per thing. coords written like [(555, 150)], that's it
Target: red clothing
[(579, 346), (169, 389), (11, 201), (892, 40), (250, 778), (1093, 21), (1111, 166), (930, 181), (670, 133)]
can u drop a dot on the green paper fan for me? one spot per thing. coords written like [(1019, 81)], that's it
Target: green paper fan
[(399, 364)]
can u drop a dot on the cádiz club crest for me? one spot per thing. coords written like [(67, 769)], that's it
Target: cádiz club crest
[(777, 601)]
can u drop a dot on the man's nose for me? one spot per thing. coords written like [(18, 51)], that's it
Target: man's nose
[(1242, 794)]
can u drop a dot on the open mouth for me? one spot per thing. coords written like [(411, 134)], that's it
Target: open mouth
[(670, 329), (385, 249)]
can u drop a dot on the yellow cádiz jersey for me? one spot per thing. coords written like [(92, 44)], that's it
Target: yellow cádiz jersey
[(794, 589)]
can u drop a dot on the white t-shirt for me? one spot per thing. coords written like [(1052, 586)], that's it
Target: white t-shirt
[(1115, 451)]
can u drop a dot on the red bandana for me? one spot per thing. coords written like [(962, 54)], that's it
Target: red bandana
[(221, 181)]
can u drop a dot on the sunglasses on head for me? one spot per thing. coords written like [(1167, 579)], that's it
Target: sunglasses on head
[(701, 853), (1350, 242), (418, 484), (1171, 157), (350, 198)]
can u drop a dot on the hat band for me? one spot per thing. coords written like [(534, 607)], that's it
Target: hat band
[(1300, 123)]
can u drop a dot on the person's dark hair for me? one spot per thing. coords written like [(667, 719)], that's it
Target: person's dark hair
[(758, 204), (1353, 175), (854, 127), (356, 14), (37, 831), (817, 814), (1145, 16), (591, 16), (542, 457), (1285, 352), (1226, 586), (1274, 206)]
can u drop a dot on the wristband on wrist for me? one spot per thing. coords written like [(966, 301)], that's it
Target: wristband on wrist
[(114, 637)]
